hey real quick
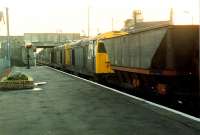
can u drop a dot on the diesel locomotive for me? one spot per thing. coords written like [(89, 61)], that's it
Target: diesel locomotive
[(87, 56), (162, 59)]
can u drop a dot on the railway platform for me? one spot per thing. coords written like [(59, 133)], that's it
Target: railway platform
[(66, 105)]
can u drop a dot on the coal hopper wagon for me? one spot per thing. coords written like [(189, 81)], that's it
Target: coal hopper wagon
[(161, 59)]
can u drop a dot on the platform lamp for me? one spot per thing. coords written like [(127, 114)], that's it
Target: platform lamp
[(28, 46)]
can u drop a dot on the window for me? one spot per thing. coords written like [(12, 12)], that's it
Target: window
[(101, 48)]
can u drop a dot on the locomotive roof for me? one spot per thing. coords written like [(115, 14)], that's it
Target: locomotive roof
[(110, 34)]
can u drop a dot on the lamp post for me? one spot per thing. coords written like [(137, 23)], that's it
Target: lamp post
[(112, 24), (8, 37), (28, 46), (88, 21), (59, 34)]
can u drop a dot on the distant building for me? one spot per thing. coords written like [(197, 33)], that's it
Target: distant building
[(136, 22), (137, 17)]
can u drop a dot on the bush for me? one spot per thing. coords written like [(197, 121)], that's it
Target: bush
[(18, 76)]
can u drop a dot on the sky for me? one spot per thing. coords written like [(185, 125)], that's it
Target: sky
[(72, 15)]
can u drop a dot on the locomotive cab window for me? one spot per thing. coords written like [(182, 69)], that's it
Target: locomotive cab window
[(101, 47)]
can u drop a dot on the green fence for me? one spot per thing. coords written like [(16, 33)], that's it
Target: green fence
[(4, 61)]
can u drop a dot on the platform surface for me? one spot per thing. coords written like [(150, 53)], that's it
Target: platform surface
[(70, 106)]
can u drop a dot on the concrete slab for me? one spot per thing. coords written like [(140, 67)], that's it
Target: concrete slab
[(70, 106)]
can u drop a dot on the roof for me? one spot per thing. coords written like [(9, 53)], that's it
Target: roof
[(147, 25), (110, 34)]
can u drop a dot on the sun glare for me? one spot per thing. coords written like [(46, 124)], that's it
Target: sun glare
[(186, 11), (38, 16)]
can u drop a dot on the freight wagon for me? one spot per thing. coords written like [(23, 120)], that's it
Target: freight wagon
[(162, 59)]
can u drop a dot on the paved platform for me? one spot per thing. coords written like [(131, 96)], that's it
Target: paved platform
[(70, 106)]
